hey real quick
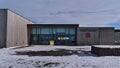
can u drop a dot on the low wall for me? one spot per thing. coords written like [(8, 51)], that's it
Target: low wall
[(106, 50)]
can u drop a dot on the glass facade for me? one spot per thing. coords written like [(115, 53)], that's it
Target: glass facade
[(60, 36)]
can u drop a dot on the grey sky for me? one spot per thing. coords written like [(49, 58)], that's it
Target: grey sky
[(82, 12)]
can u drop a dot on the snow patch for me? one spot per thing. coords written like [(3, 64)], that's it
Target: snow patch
[(7, 60)]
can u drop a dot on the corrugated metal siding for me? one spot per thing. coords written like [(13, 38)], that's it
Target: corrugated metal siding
[(16, 30), (3, 22)]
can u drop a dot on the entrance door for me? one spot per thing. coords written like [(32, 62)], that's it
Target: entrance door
[(60, 40)]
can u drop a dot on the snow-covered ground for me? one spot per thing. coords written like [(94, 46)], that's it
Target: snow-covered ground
[(9, 60), (107, 46)]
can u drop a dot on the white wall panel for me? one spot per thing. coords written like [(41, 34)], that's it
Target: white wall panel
[(16, 29)]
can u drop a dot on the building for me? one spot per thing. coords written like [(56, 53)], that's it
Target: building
[(69, 34), (17, 31), (95, 36), (117, 37), (13, 29), (61, 34)]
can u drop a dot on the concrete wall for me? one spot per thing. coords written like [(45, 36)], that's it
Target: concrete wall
[(83, 40), (106, 36), (16, 29), (3, 21)]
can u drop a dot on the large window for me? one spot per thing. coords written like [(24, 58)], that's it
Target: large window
[(67, 31), (60, 30), (44, 30), (61, 36), (38, 31), (33, 31), (72, 31)]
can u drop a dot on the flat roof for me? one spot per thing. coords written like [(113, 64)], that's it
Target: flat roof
[(94, 28), (117, 30), (53, 25), (99, 27)]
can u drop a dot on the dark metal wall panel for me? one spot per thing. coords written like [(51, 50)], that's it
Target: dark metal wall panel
[(3, 21), (53, 25), (117, 37), (16, 29), (92, 39), (99, 35), (106, 36)]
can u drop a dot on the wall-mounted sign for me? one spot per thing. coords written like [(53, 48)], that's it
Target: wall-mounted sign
[(63, 38), (87, 35)]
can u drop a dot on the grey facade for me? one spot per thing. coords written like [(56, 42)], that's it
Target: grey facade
[(117, 37), (17, 31), (13, 29), (96, 36), (107, 36), (3, 28)]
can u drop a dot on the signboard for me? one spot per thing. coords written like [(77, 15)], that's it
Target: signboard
[(87, 35), (51, 42), (63, 38)]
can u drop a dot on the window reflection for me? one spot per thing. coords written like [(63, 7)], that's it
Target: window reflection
[(45, 31), (38, 30), (61, 36), (60, 30), (33, 31), (72, 31)]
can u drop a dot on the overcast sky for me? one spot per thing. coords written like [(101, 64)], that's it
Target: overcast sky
[(86, 13)]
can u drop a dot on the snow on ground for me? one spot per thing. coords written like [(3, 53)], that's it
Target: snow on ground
[(49, 47), (108, 46), (8, 60)]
